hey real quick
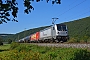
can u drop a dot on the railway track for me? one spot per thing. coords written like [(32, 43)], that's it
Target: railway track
[(73, 45)]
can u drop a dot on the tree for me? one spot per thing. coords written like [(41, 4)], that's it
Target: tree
[(11, 6), (9, 41), (1, 43)]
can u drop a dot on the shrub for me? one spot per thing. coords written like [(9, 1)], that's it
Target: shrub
[(72, 40), (9, 41), (14, 45), (1, 43), (82, 55)]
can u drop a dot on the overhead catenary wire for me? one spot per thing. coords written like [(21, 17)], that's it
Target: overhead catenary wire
[(72, 8), (81, 14), (79, 11), (69, 5)]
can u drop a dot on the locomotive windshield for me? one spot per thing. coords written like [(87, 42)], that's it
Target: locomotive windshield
[(61, 27)]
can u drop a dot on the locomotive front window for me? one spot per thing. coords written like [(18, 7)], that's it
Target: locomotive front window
[(61, 28)]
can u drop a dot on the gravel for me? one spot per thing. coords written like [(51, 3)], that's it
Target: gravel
[(87, 46)]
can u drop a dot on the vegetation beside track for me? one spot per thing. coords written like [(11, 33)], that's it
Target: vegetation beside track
[(17, 51)]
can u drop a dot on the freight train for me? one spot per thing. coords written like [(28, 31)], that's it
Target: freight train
[(55, 33)]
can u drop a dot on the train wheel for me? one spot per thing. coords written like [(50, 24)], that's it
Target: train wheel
[(65, 40), (56, 41), (61, 41), (51, 41)]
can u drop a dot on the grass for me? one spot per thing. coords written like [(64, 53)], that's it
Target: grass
[(4, 47), (4, 50), (18, 51)]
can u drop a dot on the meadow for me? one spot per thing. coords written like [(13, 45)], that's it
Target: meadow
[(17, 51)]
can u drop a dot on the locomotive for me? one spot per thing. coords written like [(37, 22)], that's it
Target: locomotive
[(55, 33)]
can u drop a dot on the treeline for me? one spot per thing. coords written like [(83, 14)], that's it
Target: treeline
[(5, 34), (79, 31)]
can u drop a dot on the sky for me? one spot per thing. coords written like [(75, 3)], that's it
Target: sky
[(68, 10)]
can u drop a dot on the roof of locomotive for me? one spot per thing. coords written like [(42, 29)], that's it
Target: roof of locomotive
[(51, 26), (61, 24)]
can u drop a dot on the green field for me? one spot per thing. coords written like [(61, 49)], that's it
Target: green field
[(5, 46), (17, 51)]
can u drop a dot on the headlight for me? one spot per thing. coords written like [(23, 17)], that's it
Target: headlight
[(57, 32), (66, 32)]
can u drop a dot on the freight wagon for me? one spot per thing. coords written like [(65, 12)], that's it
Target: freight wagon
[(34, 37)]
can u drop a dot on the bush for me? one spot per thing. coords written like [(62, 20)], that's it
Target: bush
[(72, 40), (9, 41), (1, 43), (14, 45), (82, 55)]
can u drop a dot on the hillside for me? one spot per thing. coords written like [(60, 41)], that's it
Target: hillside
[(79, 31), (4, 36)]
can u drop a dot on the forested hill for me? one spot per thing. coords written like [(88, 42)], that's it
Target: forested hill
[(4, 36), (79, 31)]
